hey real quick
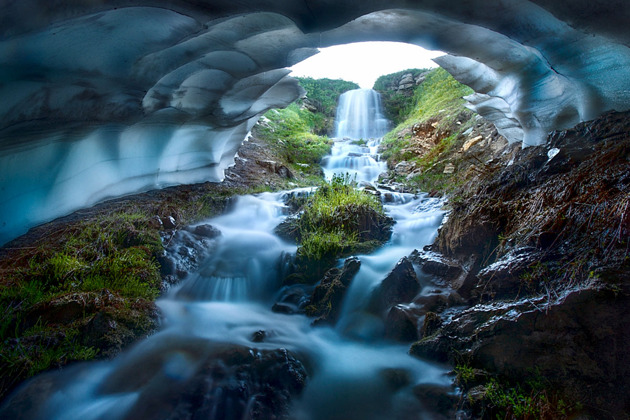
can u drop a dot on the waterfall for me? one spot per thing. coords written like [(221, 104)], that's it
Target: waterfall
[(359, 115), (360, 126)]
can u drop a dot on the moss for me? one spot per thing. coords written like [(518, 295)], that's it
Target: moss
[(338, 220), (532, 400)]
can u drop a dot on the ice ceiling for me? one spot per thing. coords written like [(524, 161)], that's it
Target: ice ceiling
[(104, 98)]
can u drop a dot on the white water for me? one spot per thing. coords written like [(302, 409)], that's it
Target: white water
[(229, 299), (359, 115), (360, 125)]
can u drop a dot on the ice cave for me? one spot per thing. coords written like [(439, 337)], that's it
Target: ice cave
[(103, 99)]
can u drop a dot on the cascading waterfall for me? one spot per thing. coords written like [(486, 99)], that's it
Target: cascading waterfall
[(359, 115), (360, 124), (228, 300)]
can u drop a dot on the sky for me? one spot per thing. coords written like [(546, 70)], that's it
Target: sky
[(364, 62)]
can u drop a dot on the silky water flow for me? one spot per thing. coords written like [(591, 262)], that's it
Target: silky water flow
[(229, 298)]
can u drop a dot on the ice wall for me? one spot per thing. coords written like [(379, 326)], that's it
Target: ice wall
[(102, 99)]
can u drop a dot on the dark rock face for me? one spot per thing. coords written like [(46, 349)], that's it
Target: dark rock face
[(577, 344), (400, 286), (502, 279), (327, 298), (542, 247), (205, 231), (437, 266), (400, 324), (239, 384), (432, 323)]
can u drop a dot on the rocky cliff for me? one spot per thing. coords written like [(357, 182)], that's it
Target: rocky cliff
[(534, 259)]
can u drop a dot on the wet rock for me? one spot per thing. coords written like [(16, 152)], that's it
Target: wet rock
[(396, 378), (236, 381), (400, 324), (288, 229), (156, 223), (442, 269), (432, 323), (585, 330), (205, 231), (186, 248), (436, 398), (502, 279), (293, 299), (259, 336), (438, 300), (326, 300), (476, 397), (169, 223), (400, 286)]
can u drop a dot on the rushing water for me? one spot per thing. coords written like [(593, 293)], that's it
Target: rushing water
[(228, 300), (359, 115)]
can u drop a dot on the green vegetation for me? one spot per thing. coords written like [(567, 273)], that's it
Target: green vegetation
[(397, 106), (533, 401), (439, 94), (289, 132), (492, 398), (47, 295), (324, 94), (336, 221), (437, 111)]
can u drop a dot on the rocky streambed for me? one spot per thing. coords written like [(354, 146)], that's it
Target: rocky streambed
[(524, 293)]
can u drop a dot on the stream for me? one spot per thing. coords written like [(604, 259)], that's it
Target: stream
[(228, 300)]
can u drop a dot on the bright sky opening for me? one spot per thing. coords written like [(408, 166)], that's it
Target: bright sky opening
[(364, 62)]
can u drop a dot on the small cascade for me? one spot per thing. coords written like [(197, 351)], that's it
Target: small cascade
[(244, 266)]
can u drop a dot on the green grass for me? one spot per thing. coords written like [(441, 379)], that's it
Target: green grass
[(324, 93), (337, 220), (113, 254), (530, 402), (289, 131), (397, 106), (437, 101)]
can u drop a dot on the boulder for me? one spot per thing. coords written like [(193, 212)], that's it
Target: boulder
[(237, 381), (326, 300), (442, 270), (573, 342), (400, 324), (502, 279), (404, 168), (400, 286), (204, 230)]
